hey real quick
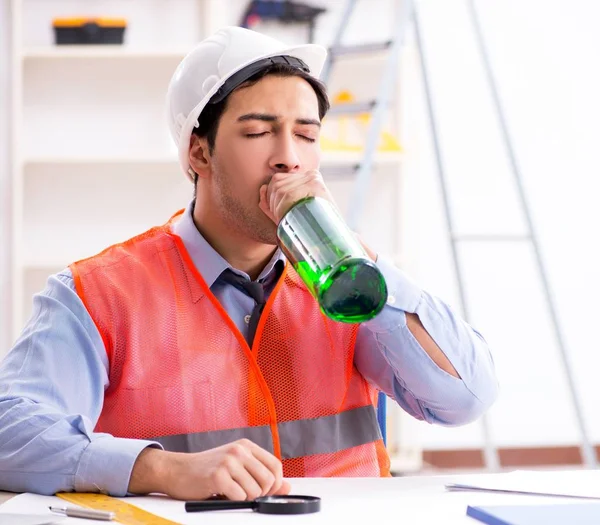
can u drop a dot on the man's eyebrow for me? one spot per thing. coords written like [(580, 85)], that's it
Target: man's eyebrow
[(257, 116), (309, 121), (265, 117)]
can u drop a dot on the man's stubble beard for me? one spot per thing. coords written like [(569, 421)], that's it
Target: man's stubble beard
[(243, 217)]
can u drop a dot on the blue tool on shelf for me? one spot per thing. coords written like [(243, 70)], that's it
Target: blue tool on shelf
[(283, 11)]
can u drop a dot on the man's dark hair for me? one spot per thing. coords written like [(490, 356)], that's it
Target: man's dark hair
[(211, 114)]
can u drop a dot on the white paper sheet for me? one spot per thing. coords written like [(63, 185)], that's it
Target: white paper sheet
[(379, 501), (573, 484), (29, 519), (375, 501), (31, 507)]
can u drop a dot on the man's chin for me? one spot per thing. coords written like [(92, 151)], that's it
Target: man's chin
[(266, 234), (267, 238)]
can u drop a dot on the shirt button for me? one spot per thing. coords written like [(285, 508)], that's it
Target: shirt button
[(247, 319), (391, 299)]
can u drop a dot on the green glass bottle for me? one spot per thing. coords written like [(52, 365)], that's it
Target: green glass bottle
[(332, 263)]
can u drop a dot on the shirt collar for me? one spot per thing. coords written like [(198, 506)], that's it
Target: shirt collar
[(205, 258)]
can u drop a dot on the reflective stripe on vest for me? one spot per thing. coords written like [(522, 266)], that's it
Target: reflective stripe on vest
[(304, 437)]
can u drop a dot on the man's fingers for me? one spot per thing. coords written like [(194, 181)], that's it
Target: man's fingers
[(285, 189), (263, 476), (284, 490), (224, 484), (279, 192), (277, 189), (262, 198), (271, 463), (283, 200), (245, 480)]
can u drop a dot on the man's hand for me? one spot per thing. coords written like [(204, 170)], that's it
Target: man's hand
[(286, 189), (239, 471)]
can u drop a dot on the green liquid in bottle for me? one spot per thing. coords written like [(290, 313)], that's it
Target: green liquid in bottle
[(335, 268)]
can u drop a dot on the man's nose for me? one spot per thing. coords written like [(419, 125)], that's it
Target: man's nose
[(285, 157)]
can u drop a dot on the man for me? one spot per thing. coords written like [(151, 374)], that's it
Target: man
[(151, 368)]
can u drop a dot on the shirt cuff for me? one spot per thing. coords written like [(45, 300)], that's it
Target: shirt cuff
[(106, 465), (404, 295)]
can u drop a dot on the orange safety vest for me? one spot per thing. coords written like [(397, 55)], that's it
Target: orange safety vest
[(181, 373)]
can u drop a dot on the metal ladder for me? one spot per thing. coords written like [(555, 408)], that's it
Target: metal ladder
[(377, 108), (491, 455)]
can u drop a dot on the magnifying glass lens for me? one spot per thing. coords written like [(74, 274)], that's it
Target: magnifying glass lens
[(279, 499), (288, 504), (263, 505)]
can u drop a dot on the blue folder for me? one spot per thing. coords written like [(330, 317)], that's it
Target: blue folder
[(561, 513)]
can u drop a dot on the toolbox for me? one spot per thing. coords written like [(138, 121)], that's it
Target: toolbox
[(89, 30)]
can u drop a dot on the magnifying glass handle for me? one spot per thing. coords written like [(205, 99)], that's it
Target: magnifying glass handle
[(201, 506)]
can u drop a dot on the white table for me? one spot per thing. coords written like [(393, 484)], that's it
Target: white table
[(368, 501)]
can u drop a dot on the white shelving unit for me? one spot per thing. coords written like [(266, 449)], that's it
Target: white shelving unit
[(112, 52), (93, 162)]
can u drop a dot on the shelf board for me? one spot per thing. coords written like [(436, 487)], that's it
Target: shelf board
[(327, 158), (354, 157), (49, 266), (99, 51), (94, 160)]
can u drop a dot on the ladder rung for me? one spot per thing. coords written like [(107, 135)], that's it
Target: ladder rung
[(352, 108), (490, 238), (341, 170), (359, 49)]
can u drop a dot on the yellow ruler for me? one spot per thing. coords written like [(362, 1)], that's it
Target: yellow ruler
[(125, 513)]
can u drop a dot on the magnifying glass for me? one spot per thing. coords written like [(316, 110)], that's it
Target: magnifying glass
[(264, 505)]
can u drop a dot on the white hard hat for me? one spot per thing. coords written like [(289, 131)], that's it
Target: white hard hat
[(208, 67)]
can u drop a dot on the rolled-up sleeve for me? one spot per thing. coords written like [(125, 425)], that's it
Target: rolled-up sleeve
[(52, 386), (391, 358)]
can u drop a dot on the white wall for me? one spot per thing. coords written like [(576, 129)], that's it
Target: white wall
[(118, 100), (545, 57), (4, 173)]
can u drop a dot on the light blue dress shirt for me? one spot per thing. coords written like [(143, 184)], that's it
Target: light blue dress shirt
[(52, 382)]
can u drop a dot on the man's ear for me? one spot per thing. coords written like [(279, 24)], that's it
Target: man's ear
[(199, 157)]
